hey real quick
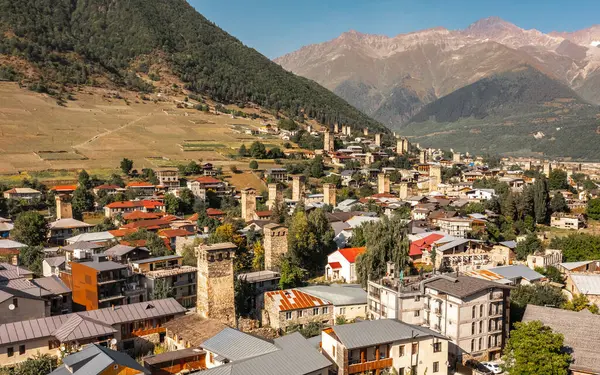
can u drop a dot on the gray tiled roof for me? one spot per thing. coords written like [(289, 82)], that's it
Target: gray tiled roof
[(379, 332), (104, 265), (516, 271), (579, 330), (157, 259), (52, 284), (120, 250), (461, 286), (235, 345), (26, 330), (94, 359), (295, 356), (82, 245), (79, 327), (55, 261)]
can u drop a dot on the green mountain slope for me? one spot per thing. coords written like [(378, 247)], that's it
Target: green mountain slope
[(71, 42), (521, 111)]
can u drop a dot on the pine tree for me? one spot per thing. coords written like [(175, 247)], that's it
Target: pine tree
[(540, 200)]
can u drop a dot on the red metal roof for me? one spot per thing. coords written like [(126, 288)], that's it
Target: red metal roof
[(417, 247), (214, 212), (64, 188), (335, 265), (107, 187), (170, 233), (207, 180), (264, 213), (121, 232), (293, 299), (148, 224), (139, 215), (351, 253), (140, 184), (133, 204)]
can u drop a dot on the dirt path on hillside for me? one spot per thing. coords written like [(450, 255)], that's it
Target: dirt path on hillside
[(97, 136)]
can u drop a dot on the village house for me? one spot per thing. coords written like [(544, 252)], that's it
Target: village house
[(588, 266), (168, 178), (141, 188), (27, 194), (202, 185), (383, 345), (259, 283), (578, 330), (96, 359), (291, 308), (460, 227), (124, 207), (473, 313), (481, 194), (546, 258), (276, 175), (136, 328), (341, 264), (349, 301), (62, 229), (107, 189), (587, 284), (567, 221), (124, 254), (9, 250), (101, 238)]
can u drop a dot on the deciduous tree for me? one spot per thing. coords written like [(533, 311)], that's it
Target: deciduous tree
[(30, 228)]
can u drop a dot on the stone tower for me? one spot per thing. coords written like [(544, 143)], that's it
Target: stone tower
[(336, 128), (400, 146), (64, 210), (309, 128), (343, 129), (456, 157), (378, 139), (274, 196), (366, 132), (297, 188), (405, 146), (435, 176), (329, 192), (369, 158), (383, 183), (423, 157), (215, 298), (248, 204), (403, 190), (275, 244), (547, 168), (348, 130), (328, 142)]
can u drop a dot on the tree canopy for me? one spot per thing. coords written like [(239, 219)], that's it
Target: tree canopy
[(310, 239), (30, 228)]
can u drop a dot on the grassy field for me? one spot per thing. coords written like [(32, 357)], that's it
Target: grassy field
[(95, 131)]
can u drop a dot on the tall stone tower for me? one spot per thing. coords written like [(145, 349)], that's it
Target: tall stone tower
[(547, 168), (383, 183), (275, 244), (343, 129), (456, 157), (329, 192), (378, 139), (369, 158), (215, 282), (297, 188), (366, 132), (348, 130), (423, 156), (64, 210), (405, 145), (274, 196), (403, 190), (435, 176), (328, 142), (336, 128), (248, 204), (400, 146)]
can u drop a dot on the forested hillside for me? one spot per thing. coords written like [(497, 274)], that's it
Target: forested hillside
[(94, 42)]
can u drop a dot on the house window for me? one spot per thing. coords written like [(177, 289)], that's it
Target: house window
[(415, 348), (342, 310), (288, 315), (324, 310), (480, 310), (473, 328), (472, 345), (300, 313), (437, 347), (401, 351), (417, 313), (16, 302), (401, 371), (21, 349), (481, 326), (436, 366), (413, 369), (473, 312), (480, 344), (316, 311), (417, 298), (10, 352)]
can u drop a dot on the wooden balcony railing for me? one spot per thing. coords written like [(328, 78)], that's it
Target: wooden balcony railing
[(143, 332), (371, 365)]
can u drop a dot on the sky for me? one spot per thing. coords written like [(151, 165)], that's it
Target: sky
[(277, 27)]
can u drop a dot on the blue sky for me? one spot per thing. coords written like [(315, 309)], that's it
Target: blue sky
[(276, 27)]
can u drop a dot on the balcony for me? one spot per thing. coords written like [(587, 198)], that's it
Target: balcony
[(184, 283), (497, 295), (437, 311), (370, 366), (143, 332)]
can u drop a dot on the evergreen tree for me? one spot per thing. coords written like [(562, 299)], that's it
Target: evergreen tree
[(242, 151), (126, 166), (541, 200), (310, 239), (84, 180), (558, 203), (593, 209)]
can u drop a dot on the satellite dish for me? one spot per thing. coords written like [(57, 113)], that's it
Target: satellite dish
[(11, 307), (113, 342)]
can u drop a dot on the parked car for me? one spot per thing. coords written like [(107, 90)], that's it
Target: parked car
[(493, 367)]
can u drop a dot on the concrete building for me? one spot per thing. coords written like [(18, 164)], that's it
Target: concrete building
[(168, 178), (546, 258), (205, 184), (248, 204), (26, 194), (277, 174), (275, 245), (297, 188), (383, 345), (567, 221), (349, 301), (329, 194), (215, 282), (473, 313), (96, 359)]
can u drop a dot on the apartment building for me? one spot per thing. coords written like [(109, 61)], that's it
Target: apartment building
[(168, 178), (202, 185), (370, 347), (473, 313)]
